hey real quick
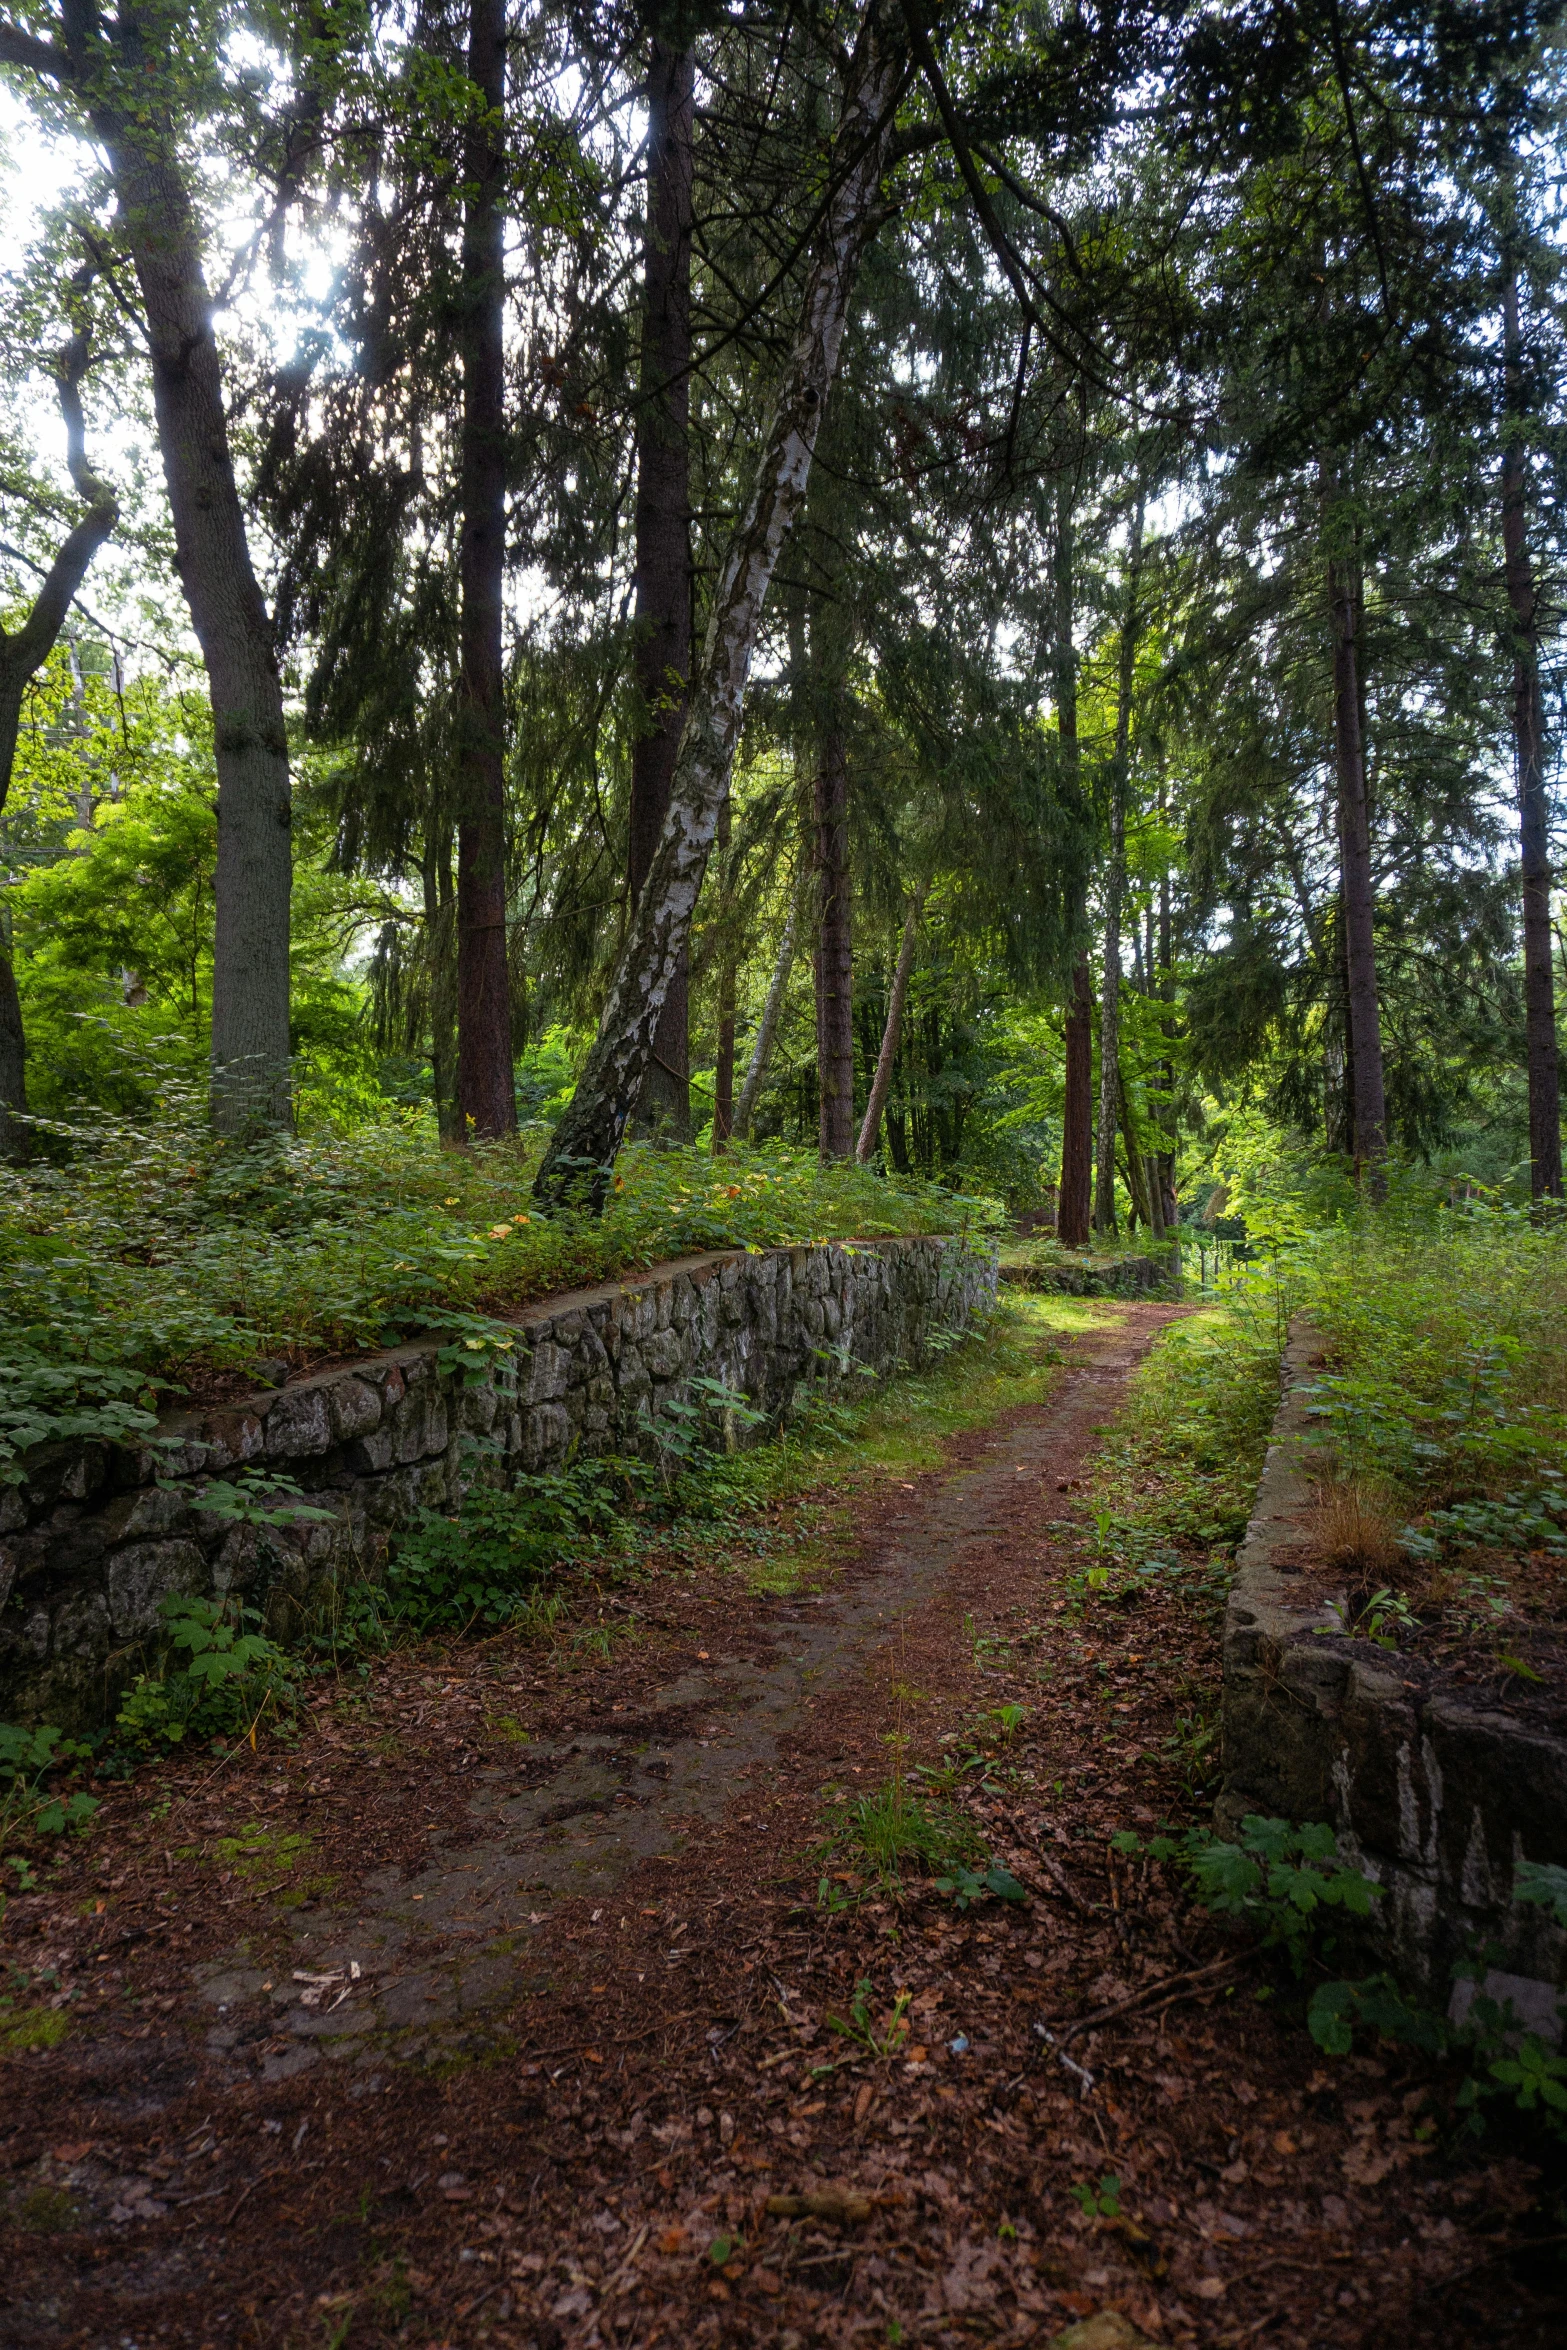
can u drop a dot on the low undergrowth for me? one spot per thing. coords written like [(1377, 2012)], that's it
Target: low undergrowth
[(1442, 1419), (1175, 1480), (134, 1255), (557, 1559)]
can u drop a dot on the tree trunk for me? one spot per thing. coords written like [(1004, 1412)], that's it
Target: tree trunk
[(1077, 1118), (724, 1061), (662, 657), (1136, 1163), (250, 975), (1545, 1123), (1077, 1115), (834, 950), (772, 1011), (589, 1135), (1166, 1157), (1354, 829), (882, 1081), (440, 942), (486, 1092), (1110, 1104)]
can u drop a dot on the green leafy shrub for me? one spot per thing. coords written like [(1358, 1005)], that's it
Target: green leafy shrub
[(29, 1758), (1285, 1884), (1448, 1379), (487, 1563), (156, 1247), (1499, 2059), (231, 1678), (45, 1402)]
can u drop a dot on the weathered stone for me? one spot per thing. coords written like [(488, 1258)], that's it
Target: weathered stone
[(228, 1441), (592, 1370), (63, 1472), (547, 1373), (372, 1454), (355, 1408), (81, 1629), (142, 1576), (419, 1423), (156, 1509), (299, 1425), (1435, 1798)]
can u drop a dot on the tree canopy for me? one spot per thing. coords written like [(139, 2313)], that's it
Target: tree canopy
[(672, 570)]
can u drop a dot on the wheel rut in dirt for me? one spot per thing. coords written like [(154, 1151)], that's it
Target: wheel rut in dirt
[(442, 1946), (610, 2075)]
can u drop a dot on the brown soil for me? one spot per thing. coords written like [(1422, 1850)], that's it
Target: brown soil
[(516, 2047)]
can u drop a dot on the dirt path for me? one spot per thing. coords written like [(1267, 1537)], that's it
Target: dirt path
[(499, 2009)]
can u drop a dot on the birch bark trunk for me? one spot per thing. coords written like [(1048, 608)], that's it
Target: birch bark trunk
[(584, 1145), (1539, 978), (662, 659), (486, 1093)]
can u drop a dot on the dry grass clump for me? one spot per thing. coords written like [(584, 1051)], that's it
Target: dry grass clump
[(1357, 1524)]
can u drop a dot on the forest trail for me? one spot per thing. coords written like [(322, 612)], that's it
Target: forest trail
[(499, 2008)]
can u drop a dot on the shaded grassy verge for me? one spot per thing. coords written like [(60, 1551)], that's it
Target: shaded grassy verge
[(769, 1503)]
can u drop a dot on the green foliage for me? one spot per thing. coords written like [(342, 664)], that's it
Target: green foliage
[(110, 832), (885, 2038), (1284, 1884), (1500, 2061), (156, 1247), (1542, 1885), (1101, 2202), (258, 1497), (1384, 1617), (1178, 1473), (232, 1677), (895, 1829), (28, 1759), (487, 1563), (1448, 1338), (33, 2030), (964, 1886), (44, 1402), (1377, 2005), (891, 1828)]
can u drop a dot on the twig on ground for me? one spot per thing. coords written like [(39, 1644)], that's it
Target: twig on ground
[(575, 2047), (1170, 1983)]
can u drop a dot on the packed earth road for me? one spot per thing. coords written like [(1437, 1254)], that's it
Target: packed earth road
[(520, 2006)]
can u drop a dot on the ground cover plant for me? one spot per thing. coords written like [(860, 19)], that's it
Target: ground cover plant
[(911, 2108), (1441, 1413), (139, 1254)]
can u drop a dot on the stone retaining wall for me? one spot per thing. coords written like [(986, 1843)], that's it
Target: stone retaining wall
[(1132, 1276), (1434, 1797), (98, 1535)]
